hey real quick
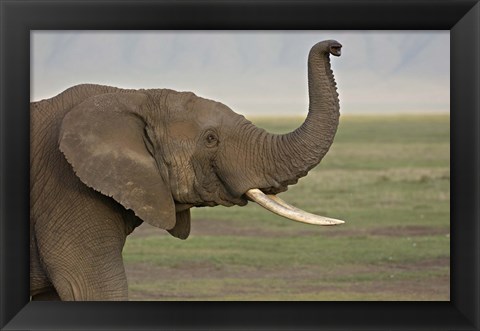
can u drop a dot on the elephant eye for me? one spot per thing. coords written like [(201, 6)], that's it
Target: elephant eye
[(211, 139)]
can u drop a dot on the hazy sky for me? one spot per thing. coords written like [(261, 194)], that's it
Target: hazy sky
[(254, 73)]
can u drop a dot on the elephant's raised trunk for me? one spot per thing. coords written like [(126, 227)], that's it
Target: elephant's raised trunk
[(301, 150), (295, 153)]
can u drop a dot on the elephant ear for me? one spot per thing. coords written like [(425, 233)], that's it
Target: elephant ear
[(103, 140)]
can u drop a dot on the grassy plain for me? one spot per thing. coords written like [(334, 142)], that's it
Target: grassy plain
[(388, 177)]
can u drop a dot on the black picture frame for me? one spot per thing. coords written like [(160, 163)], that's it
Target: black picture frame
[(19, 17)]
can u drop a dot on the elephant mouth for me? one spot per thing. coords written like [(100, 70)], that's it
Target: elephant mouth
[(276, 205)]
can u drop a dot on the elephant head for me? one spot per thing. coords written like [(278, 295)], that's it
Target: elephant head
[(160, 152)]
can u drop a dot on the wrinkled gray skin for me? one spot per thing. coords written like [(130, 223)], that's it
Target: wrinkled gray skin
[(104, 159)]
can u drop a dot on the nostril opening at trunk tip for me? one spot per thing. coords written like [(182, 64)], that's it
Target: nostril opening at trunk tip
[(336, 50)]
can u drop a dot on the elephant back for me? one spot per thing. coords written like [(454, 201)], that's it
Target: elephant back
[(68, 99)]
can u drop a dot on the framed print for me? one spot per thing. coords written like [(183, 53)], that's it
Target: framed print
[(446, 299)]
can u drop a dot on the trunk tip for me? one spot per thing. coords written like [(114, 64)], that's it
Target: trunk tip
[(328, 47)]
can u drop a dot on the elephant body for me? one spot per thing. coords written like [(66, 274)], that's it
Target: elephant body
[(61, 207), (104, 159)]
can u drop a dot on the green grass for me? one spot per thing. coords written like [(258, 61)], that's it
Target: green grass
[(388, 177)]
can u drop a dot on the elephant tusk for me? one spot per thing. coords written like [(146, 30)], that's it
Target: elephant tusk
[(282, 208), (282, 202)]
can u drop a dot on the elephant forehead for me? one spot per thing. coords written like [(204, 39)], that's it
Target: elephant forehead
[(208, 113)]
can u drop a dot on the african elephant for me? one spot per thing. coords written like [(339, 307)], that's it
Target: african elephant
[(105, 159)]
